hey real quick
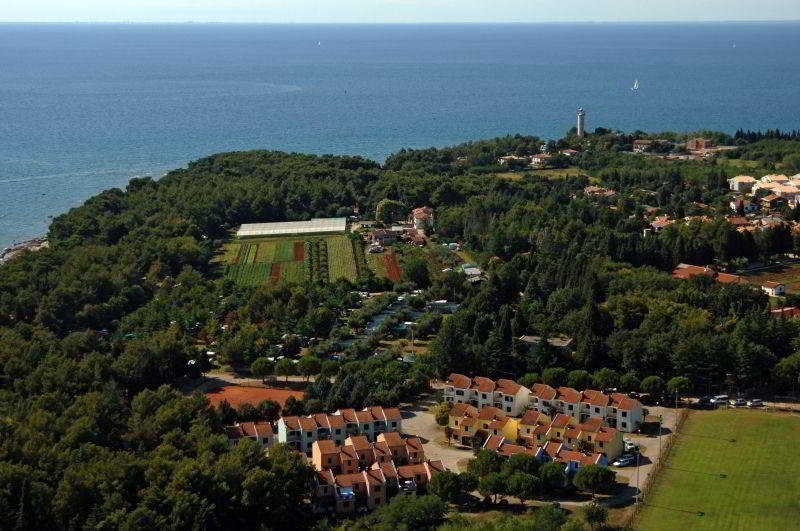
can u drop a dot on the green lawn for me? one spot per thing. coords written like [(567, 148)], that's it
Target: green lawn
[(740, 468)]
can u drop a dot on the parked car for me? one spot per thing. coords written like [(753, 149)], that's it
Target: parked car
[(624, 460), (630, 446), (704, 402), (738, 402), (719, 400), (756, 402)]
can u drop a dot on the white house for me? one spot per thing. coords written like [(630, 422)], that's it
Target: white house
[(301, 432), (506, 395), (741, 183), (774, 289), (617, 410)]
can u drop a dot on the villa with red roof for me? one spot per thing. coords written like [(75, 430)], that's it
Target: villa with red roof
[(506, 395)]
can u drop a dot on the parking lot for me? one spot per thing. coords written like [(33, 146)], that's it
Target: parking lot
[(419, 422), (650, 447)]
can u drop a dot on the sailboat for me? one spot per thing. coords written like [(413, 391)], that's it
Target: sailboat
[(635, 85)]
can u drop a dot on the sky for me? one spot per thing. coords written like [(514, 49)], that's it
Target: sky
[(394, 11)]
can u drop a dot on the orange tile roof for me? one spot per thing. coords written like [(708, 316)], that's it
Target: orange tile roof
[(460, 410), (392, 438), (591, 424), (595, 398), (569, 395), (490, 413), (415, 443), (624, 402), (459, 380), (561, 421), (508, 387), (494, 442), (544, 391), (530, 417), (359, 442), (326, 446), (484, 385)]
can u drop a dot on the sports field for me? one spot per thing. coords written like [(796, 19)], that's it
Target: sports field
[(254, 261), (729, 469)]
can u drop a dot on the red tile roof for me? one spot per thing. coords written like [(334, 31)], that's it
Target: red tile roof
[(508, 387), (569, 395), (459, 380), (544, 391)]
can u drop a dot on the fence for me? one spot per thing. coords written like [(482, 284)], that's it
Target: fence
[(644, 490)]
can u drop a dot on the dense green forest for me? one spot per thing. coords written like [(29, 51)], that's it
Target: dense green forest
[(100, 332)]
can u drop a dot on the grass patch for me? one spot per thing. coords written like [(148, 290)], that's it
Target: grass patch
[(729, 469)]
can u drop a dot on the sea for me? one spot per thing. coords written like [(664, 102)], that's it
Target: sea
[(86, 107)]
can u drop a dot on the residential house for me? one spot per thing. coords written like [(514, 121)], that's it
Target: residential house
[(741, 183), (787, 311), (593, 435), (774, 289), (344, 493), (408, 479), (772, 201), (382, 236), (617, 410), (466, 422), (511, 160), (301, 432), (642, 146), (261, 432), (699, 144), (501, 445), (540, 160), (506, 395), (422, 218), (687, 271)]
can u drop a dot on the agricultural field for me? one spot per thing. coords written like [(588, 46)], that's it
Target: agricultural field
[(729, 469), (787, 274), (256, 261)]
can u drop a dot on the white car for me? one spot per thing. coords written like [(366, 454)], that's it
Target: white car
[(756, 402), (738, 402), (624, 460), (630, 446)]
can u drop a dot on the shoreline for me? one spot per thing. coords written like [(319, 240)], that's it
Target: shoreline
[(33, 244)]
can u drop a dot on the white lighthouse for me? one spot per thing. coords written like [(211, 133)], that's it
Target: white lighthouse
[(581, 122)]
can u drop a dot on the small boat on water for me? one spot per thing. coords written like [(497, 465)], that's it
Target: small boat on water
[(635, 86)]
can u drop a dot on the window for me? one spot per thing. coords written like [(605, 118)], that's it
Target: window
[(483, 395), (459, 393), (509, 399), (570, 407), (366, 426), (624, 414), (590, 438), (394, 424), (308, 434), (338, 431), (600, 444), (597, 410), (508, 409), (624, 425)]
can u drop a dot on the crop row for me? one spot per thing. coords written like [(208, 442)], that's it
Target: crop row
[(316, 260), (248, 274), (341, 258)]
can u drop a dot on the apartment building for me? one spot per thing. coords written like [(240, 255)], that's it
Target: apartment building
[(616, 409), (506, 395), (302, 432), (466, 421), (357, 453), (261, 432)]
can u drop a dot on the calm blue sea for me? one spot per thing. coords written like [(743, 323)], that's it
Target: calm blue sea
[(86, 107)]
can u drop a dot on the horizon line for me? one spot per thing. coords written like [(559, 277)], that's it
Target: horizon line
[(391, 23)]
